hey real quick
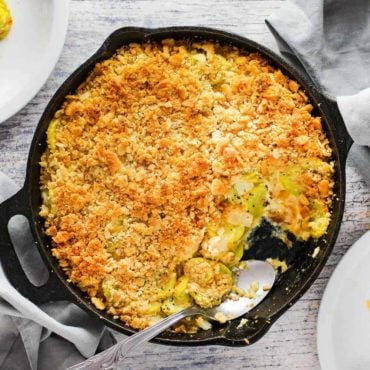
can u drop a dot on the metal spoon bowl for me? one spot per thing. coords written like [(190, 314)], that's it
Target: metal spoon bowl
[(259, 274)]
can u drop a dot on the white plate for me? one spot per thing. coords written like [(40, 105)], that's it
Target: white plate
[(343, 331), (30, 51)]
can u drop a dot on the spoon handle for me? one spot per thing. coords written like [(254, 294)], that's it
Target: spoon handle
[(110, 357)]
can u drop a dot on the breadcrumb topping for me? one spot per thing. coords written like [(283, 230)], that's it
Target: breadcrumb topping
[(142, 156)]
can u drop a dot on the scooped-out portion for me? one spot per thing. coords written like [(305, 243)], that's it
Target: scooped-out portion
[(161, 164)]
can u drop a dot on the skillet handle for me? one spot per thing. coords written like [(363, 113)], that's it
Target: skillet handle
[(344, 139), (53, 289)]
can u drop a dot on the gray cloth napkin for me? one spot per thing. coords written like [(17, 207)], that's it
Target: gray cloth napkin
[(55, 335), (330, 41)]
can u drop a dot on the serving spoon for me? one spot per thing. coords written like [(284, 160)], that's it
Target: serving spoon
[(258, 274)]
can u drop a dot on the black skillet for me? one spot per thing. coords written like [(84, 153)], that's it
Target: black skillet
[(290, 286)]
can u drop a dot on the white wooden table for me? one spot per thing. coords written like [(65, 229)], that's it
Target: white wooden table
[(291, 342)]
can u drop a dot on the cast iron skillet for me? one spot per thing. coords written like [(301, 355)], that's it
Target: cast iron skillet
[(290, 286)]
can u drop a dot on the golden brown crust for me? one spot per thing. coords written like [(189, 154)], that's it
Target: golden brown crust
[(146, 148)]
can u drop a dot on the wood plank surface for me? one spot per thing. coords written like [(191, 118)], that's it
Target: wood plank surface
[(291, 342)]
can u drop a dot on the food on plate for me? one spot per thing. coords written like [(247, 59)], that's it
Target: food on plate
[(6, 20), (161, 164)]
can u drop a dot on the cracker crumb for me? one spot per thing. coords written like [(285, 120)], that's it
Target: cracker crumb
[(243, 322), (220, 317), (315, 252), (98, 303), (202, 323), (255, 286)]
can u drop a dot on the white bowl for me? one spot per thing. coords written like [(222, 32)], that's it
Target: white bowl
[(343, 330), (30, 51)]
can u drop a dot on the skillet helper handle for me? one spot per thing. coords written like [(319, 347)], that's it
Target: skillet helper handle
[(53, 289)]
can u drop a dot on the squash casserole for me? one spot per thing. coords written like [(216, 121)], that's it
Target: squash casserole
[(161, 164)]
